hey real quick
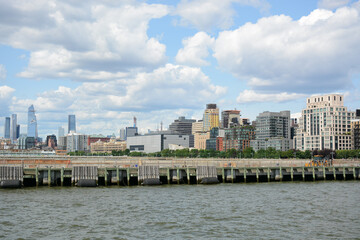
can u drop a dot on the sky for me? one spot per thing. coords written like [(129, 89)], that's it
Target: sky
[(108, 61)]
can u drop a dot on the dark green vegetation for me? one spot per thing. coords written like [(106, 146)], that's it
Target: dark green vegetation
[(232, 153)]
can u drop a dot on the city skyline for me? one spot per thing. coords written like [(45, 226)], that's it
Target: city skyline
[(106, 66)]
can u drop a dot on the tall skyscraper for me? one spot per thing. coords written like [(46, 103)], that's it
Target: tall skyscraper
[(61, 132), (71, 123), (7, 128), (325, 124), (13, 128), (32, 130), (122, 134), (210, 117), (18, 131)]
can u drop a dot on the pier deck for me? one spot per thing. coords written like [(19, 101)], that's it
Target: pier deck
[(129, 171)]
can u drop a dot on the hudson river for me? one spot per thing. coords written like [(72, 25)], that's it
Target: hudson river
[(303, 210)]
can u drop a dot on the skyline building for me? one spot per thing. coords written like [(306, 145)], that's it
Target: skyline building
[(76, 142), (325, 123), (230, 118), (182, 125), (71, 123), (122, 134), (210, 117), (131, 132), (32, 130), (272, 130), (17, 130), (61, 132), (7, 128), (13, 128), (238, 138)]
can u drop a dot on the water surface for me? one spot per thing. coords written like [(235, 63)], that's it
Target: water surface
[(314, 210)]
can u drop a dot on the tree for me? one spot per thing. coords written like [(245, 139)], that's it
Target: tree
[(248, 152)]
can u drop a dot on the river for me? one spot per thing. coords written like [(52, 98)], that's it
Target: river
[(287, 210)]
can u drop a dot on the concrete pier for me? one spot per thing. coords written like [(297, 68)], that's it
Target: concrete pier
[(148, 175), (130, 172), (85, 176), (11, 177)]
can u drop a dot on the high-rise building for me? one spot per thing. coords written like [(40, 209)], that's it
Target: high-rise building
[(61, 132), (197, 127), (32, 130), (17, 130), (122, 134), (76, 142), (210, 117), (325, 124), (131, 131), (71, 124), (230, 118), (238, 138), (7, 128), (182, 126), (13, 128), (272, 130), (355, 133)]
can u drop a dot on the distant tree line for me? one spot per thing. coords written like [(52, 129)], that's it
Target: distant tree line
[(270, 153)]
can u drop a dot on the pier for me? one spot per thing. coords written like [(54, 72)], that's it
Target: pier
[(114, 171)]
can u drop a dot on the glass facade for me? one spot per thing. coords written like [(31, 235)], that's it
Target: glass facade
[(13, 129), (32, 123), (71, 124), (7, 128)]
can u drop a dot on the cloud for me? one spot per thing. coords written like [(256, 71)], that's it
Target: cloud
[(2, 72), (332, 4), (5, 99), (250, 96), (165, 89), (84, 42), (317, 53), (207, 15), (195, 50)]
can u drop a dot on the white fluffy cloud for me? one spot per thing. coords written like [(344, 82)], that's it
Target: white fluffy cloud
[(2, 72), (83, 41), (250, 96), (195, 50), (207, 15), (318, 53), (5, 99), (332, 4), (166, 89)]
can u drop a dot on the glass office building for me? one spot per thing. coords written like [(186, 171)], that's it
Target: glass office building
[(71, 124), (7, 128), (32, 130)]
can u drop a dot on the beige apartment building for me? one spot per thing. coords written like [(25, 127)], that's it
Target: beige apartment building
[(324, 124), (107, 147), (197, 127), (200, 139)]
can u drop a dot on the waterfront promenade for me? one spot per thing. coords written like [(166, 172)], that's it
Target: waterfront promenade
[(94, 171)]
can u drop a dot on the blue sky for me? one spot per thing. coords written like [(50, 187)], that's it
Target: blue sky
[(107, 61)]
